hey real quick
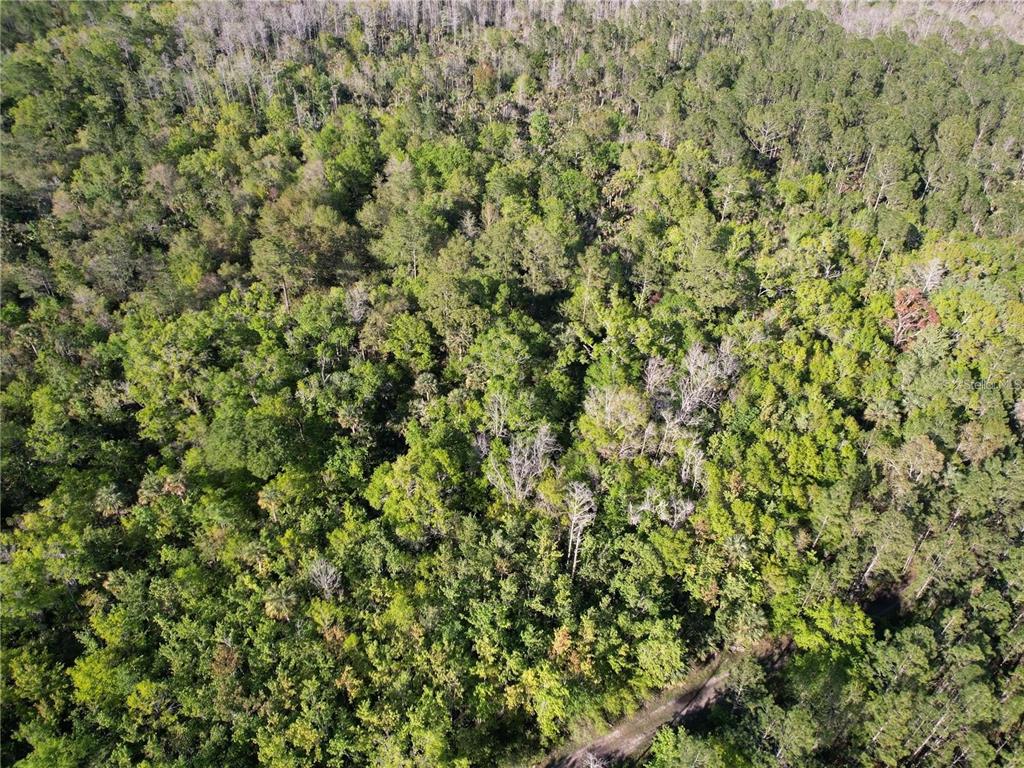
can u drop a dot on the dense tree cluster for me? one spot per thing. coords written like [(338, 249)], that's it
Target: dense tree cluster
[(412, 384)]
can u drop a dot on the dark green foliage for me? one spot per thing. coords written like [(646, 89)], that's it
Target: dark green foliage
[(413, 386)]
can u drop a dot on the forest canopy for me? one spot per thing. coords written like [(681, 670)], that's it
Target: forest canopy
[(429, 384)]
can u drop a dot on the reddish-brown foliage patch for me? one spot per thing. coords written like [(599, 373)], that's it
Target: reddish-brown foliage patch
[(914, 313)]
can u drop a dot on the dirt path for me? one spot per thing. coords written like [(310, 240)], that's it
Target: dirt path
[(633, 735)]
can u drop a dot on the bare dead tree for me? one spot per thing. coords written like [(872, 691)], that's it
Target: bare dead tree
[(691, 471), (528, 458), (652, 504), (672, 431), (658, 376), (469, 226), (676, 511), (930, 275), (707, 376), (581, 511), (624, 415), (325, 577), (697, 387), (496, 411)]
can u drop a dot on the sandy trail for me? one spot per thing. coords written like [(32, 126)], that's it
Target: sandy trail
[(633, 735)]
